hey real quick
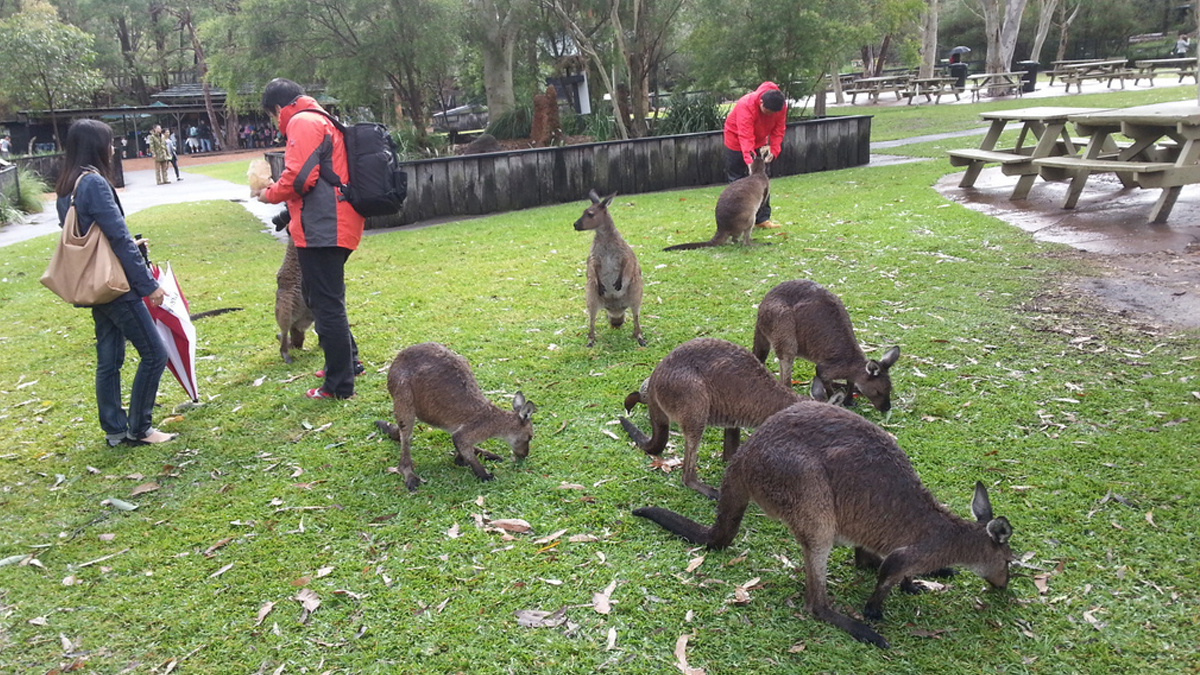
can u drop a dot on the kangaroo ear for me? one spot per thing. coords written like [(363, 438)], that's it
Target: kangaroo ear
[(889, 358), (594, 197), (981, 506), (999, 530), (607, 200), (874, 369), (518, 401), (526, 411)]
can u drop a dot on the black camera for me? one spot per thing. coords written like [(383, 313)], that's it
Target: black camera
[(281, 220)]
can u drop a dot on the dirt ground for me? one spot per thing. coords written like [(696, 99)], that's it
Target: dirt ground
[(1147, 274), (147, 163)]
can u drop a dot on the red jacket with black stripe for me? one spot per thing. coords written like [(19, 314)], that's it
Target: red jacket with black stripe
[(321, 217)]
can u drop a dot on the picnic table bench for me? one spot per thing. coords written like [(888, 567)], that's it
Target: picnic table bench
[(932, 88), (995, 82), (1145, 163), (1111, 70), (1147, 69), (1043, 134), (873, 87)]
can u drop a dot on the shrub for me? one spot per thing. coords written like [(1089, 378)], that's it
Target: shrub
[(411, 145), (691, 114), (516, 123), (33, 186)]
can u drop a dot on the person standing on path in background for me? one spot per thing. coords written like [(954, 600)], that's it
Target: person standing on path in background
[(757, 119), (1182, 45), (324, 227), (6, 146), (173, 151), (84, 180), (157, 143)]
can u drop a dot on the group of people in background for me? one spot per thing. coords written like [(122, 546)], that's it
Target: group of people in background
[(262, 135)]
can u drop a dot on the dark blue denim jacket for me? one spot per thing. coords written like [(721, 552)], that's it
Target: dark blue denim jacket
[(96, 202)]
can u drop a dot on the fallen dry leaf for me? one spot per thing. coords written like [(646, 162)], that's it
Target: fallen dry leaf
[(797, 648), (1090, 617), (143, 489), (325, 571), (308, 599), (665, 464), (221, 571), (71, 580), (208, 552), (582, 538), (1150, 518), (453, 532), (263, 612), (511, 525), (532, 618), (39, 621), (570, 486), (681, 657), (601, 602), (694, 563), (550, 537), (1042, 582), (108, 536)]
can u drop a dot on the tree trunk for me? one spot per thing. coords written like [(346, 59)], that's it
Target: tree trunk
[(1046, 9), (929, 39), (1064, 27), (588, 48), (1001, 25), (499, 38), (129, 54)]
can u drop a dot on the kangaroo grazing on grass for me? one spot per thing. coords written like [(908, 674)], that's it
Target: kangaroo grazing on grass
[(428, 382), (801, 319), (834, 478), (736, 207), (614, 279), (707, 382), (291, 312)]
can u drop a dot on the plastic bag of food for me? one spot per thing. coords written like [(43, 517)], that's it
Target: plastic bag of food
[(259, 174)]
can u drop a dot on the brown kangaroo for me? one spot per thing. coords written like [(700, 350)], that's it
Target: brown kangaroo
[(707, 382), (428, 382), (291, 312), (834, 478), (736, 207), (800, 318), (614, 279)]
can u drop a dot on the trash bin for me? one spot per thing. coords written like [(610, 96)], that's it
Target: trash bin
[(1030, 68), (959, 72)]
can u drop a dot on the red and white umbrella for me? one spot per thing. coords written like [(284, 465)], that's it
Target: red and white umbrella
[(175, 326)]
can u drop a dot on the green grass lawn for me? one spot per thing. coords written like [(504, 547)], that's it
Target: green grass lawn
[(1077, 419), (234, 172)]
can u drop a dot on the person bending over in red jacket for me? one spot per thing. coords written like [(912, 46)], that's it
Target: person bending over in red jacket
[(757, 119), (325, 228)]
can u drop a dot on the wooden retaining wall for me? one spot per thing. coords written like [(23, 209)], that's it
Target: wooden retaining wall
[(48, 166), (507, 181)]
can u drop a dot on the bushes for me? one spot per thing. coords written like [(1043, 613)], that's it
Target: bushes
[(25, 199), (411, 145), (516, 123), (691, 114)]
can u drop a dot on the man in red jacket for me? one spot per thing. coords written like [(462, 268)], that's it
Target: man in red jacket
[(757, 119), (325, 228)]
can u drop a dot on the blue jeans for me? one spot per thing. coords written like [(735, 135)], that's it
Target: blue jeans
[(117, 322)]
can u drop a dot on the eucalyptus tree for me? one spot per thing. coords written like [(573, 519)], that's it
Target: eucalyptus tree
[(359, 49), (47, 63)]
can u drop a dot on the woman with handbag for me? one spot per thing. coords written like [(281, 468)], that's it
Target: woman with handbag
[(84, 184)]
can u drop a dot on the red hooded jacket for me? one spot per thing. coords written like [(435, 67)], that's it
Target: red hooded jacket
[(321, 217), (748, 128)]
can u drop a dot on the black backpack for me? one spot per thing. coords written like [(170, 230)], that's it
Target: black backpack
[(376, 185)]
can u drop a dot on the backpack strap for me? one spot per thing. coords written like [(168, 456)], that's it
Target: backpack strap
[(329, 174)]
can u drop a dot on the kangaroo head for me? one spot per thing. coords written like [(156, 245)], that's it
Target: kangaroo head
[(595, 215), (759, 164), (993, 564), (874, 383), (524, 433)]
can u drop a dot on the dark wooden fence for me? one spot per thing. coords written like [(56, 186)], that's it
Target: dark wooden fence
[(9, 183), (507, 181), (48, 166)]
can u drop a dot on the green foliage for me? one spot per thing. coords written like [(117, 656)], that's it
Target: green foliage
[(599, 125), (47, 64), (690, 114), (516, 123), (413, 145), (33, 187)]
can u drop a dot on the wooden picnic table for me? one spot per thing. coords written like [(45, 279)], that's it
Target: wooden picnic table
[(995, 82), (932, 88), (1148, 68), (1043, 134), (1076, 73), (1146, 162), (874, 86)]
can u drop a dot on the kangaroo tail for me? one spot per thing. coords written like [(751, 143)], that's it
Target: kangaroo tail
[(214, 312), (635, 434), (691, 246), (685, 528)]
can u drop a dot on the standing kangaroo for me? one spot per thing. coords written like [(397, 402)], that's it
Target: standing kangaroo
[(707, 382), (736, 207), (614, 279), (433, 384), (292, 314), (834, 478), (800, 318)]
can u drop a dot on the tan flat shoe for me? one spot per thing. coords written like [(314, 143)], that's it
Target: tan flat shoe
[(155, 436), (768, 225)]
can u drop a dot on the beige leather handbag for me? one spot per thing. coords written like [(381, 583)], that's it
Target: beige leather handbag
[(84, 270)]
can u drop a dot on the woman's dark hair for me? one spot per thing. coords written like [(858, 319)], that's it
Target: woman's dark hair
[(773, 100), (89, 144), (280, 92)]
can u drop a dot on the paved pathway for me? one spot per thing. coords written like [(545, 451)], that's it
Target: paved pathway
[(140, 192)]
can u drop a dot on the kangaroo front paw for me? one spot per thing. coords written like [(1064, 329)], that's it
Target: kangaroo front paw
[(872, 613)]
